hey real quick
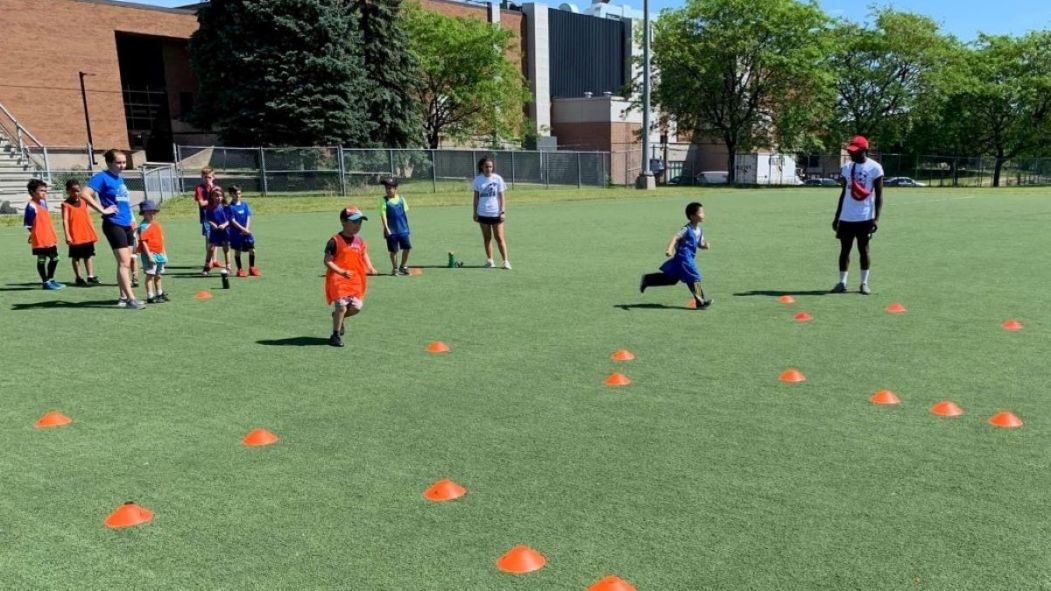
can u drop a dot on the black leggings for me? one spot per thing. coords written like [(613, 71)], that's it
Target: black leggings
[(663, 279), (845, 243)]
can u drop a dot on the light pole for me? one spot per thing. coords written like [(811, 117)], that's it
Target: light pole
[(87, 122), (646, 180)]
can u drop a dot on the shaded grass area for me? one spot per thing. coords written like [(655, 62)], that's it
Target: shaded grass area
[(705, 473)]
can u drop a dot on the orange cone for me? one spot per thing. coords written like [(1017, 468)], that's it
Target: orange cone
[(204, 295), (792, 375), (415, 271), (885, 397), (1011, 325), (437, 347), (520, 560), (622, 355), (444, 490), (692, 304), (786, 299), (612, 583), (617, 379), (53, 419), (1006, 420), (947, 408), (128, 515), (803, 317), (259, 437), (896, 309)]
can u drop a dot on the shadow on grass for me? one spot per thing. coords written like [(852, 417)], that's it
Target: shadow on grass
[(779, 293), (22, 287), (294, 342), (630, 307), (53, 304)]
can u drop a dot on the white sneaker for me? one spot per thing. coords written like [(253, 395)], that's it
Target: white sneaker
[(122, 302), (507, 265), (489, 264)]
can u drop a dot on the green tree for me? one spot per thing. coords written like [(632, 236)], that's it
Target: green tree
[(470, 89), (393, 74), (751, 73), (884, 74), (280, 72)]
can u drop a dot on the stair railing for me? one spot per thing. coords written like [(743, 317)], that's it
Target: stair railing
[(26, 143)]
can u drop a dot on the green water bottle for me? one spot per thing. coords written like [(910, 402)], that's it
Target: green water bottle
[(452, 259)]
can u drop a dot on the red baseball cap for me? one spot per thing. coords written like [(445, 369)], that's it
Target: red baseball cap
[(858, 143)]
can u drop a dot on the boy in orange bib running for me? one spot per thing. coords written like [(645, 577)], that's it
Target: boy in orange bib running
[(347, 269), (42, 239)]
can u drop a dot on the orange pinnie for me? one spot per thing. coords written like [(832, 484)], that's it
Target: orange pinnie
[(127, 515), (53, 419), (444, 490), (520, 560)]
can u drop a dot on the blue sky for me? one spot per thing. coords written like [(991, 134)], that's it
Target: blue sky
[(963, 18)]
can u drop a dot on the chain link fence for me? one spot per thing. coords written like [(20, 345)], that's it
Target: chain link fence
[(339, 171), (939, 171)]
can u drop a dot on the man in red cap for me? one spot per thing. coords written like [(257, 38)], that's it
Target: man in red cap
[(857, 214)]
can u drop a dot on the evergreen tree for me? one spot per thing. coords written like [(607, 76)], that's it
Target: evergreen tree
[(393, 75), (280, 72)]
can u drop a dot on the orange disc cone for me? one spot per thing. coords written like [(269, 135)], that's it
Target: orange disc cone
[(437, 347), (259, 437), (622, 355), (204, 295), (53, 419), (947, 408), (786, 299), (884, 397), (896, 309), (692, 304), (803, 317), (1011, 325), (1005, 419), (444, 490), (520, 560), (617, 379), (612, 584), (128, 515), (415, 271), (792, 375)]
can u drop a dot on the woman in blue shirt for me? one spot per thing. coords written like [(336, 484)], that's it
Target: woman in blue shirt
[(118, 223)]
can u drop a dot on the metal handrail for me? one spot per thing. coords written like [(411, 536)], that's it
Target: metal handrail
[(24, 150)]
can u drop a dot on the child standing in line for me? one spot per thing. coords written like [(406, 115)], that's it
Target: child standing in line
[(241, 238), (217, 236), (80, 233), (347, 266), (201, 194), (682, 266), (393, 214), (151, 251), (42, 239)]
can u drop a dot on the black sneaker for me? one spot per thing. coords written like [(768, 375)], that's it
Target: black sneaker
[(80, 282), (642, 284), (403, 270), (134, 282), (162, 298), (151, 300), (840, 288), (703, 304), (94, 281), (335, 340)]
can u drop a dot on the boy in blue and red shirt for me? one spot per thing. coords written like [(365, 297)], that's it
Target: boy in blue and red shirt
[(42, 238)]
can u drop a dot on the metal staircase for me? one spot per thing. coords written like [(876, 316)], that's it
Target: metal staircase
[(22, 157)]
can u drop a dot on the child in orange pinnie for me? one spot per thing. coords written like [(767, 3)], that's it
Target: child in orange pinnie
[(347, 268)]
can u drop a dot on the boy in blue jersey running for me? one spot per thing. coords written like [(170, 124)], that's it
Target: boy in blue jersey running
[(393, 214), (240, 230), (682, 266)]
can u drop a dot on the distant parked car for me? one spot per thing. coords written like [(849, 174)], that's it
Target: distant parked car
[(823, 182), (681, 179), (713, 177), (902, 181)]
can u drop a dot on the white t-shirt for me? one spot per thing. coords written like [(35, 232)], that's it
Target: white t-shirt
[(866, 174), (489, 189)]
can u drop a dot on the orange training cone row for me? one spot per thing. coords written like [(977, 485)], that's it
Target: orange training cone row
[(444, 490), (792, 375), (946, 408), (128, 515), (622, 355), (612, 584), (1011, 325), (1006, 420), (53, 419), (617, 379), (204, 295), (786, 299), (437, 347), (520, 560), (896, 309), (803, 317), (884, 397), (259, 437)]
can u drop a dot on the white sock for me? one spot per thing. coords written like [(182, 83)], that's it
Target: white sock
[(864, 276), (843, 277)]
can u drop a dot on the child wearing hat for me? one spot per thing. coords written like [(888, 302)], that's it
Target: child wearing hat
[(151, 252), (347, 266), (393, 214)]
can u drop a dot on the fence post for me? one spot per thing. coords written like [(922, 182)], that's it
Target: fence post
[(545, 170), (578, 170), (145, 184), (512, 169), (47, 166), (342, 172), (390, 157), (434, 172), (262, 170)]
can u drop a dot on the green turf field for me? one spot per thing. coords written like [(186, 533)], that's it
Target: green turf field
[(706, 473)]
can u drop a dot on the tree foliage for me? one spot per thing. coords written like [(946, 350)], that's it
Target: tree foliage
[(750, 73), (470, 89), (280, 72)]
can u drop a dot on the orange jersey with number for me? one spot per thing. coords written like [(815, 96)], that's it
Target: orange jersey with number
[(349, 255), (77, 221)]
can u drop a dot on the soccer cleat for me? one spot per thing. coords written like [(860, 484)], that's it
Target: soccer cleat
[(163, 297), (703, 304), (94, 281), (394, 272), (864, 289), (507, 265), (839, 288), (254, 272), (642, 284), (489, 264), (56, 284), (335, 340), (403, 270), (151, 300), (242, 273), (80, 282), (49, 286), (135, 305)]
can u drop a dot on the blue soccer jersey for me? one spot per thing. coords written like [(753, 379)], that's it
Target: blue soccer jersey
[(396, 210)]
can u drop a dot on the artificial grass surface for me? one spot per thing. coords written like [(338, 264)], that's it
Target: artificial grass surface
[(705, 473)]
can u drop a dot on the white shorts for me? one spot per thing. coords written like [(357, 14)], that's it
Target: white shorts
[(349, 302)]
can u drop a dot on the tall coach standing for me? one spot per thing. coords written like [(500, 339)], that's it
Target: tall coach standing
[(857, 214)]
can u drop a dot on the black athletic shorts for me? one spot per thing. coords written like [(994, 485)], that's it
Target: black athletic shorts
[(82, 251), (118, 236), (854, 230), (50, 252), (492, 221)]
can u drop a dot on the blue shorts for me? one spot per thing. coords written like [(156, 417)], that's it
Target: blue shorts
[(206, 230), (240, 241), (218, 238), (396, 241)]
